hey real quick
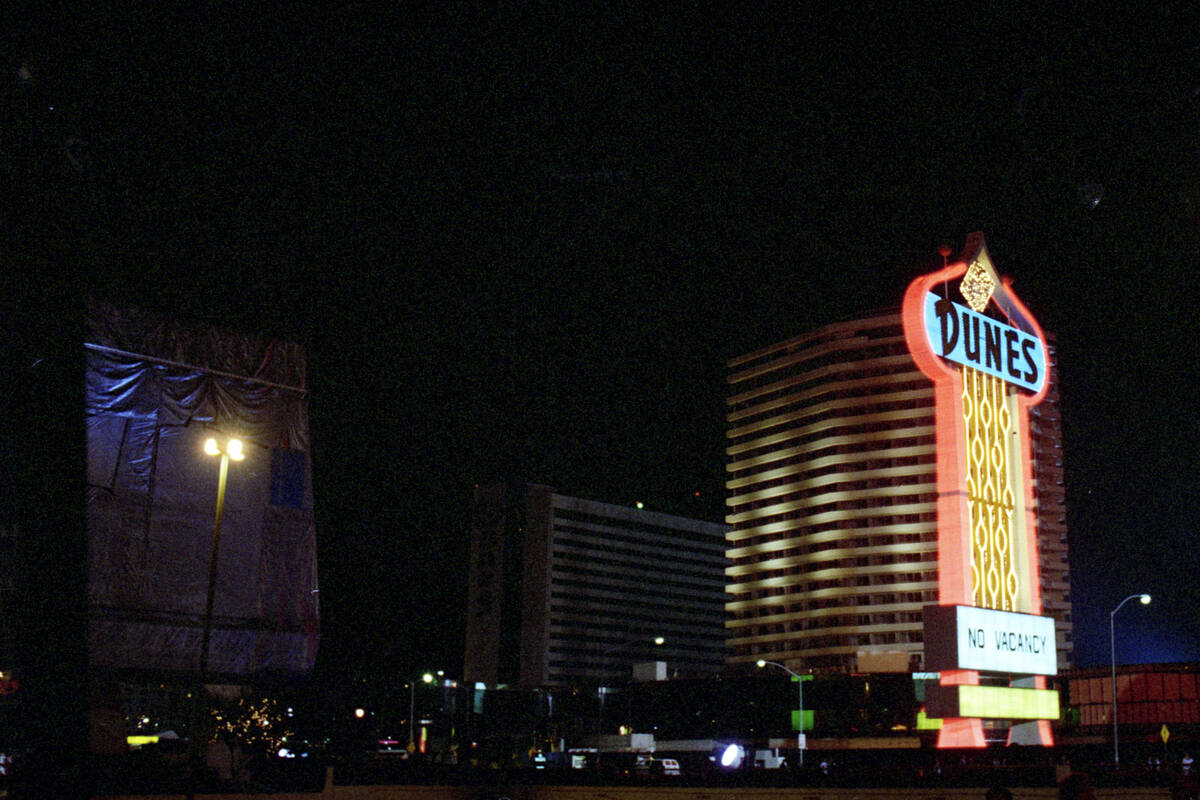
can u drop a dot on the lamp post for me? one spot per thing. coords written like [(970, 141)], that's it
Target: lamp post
[(412, 703), (605, 655), (1112, 647), (231, 450), (799, 697)]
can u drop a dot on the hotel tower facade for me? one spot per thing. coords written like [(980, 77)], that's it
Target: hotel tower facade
[(565, 590), (832, 502)]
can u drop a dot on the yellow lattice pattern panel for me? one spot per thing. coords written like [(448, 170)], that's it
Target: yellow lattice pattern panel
[(989, 492)]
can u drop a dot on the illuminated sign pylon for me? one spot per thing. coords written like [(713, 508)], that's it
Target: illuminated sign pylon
[(989, 364)]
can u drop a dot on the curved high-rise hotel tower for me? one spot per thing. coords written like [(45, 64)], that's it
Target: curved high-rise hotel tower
[(832, 502)]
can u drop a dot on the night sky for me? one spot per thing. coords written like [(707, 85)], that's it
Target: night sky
[(522, 242)]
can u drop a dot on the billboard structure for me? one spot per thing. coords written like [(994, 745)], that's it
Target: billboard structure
[(988, 359), (157, 388)]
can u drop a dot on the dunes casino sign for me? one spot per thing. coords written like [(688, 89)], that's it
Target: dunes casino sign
[(989, 363), (966, 337)]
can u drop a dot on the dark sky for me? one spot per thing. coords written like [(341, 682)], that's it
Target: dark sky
[(524, 241)]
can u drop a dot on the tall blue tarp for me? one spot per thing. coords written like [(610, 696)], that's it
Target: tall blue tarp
[(157, 388)]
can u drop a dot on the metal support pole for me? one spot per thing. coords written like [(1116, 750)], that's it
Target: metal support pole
[(1112, 648), (212, 566), (605, 657), (412, 702), (1112, 651), (800, 700), (197, 746)]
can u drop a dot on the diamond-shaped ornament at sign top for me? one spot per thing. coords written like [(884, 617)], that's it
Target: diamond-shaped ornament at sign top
[(977, 286)]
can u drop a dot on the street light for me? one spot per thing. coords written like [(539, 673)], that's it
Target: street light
[(605, 656), (232, 450), (1144, 599), (412, 702), (800, 698)]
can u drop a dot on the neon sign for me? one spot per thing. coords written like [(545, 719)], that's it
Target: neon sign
[(971, 339), (990, 365), (991, 702)]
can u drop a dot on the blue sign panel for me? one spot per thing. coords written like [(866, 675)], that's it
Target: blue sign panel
[(966, 337)]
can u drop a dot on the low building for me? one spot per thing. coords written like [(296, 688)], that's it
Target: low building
[(1148, 696)]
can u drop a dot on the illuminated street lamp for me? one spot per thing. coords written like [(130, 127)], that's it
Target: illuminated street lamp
[(800, 698), (1144, 599), (412, 702), (231, 450), (605, 656)]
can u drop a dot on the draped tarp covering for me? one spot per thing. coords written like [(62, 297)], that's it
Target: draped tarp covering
[(156, 389)]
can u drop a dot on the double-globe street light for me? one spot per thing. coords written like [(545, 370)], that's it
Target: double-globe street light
[(1144, 599), (800, 699), (231, 450)]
